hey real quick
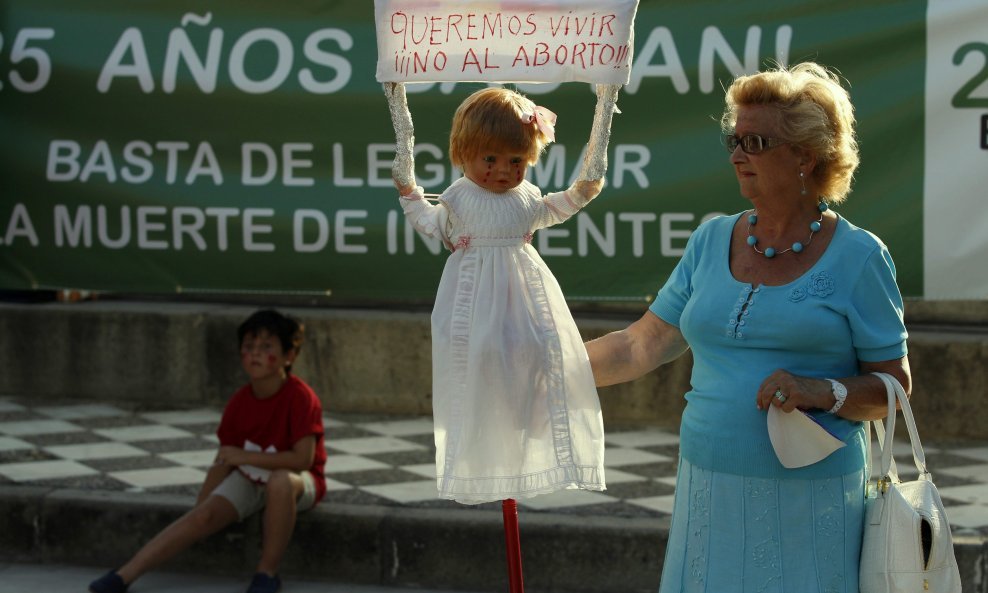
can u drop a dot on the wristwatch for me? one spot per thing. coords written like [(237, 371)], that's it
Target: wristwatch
[(840, 392)]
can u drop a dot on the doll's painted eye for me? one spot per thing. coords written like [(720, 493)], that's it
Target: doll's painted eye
[(490, 159), (516, 160)]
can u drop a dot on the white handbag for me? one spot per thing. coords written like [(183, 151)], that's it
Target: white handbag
[(907, 545)]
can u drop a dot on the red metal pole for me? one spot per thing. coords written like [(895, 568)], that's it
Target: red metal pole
[(512, 543)]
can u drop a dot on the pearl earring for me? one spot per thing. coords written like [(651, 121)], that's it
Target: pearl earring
[(802, 182)]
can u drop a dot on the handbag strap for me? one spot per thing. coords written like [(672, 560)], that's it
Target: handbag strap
[(892, 473), (897, 393), (887, 469)]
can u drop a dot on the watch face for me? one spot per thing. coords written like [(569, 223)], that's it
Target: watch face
[(840, 394)]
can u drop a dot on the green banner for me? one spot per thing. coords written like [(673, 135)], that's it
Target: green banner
[(178, 146)]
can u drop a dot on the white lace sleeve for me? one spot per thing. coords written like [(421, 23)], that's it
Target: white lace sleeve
[(427, 218), (559, 206)]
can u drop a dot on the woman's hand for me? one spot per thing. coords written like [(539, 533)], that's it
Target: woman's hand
[(788, 392), (866, 397)]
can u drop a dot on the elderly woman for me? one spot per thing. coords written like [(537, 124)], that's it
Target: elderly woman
[(785, 304)]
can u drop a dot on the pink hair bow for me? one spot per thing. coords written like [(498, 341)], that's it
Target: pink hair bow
[(544, 119)]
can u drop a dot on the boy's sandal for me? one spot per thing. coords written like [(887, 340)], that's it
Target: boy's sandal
[(262, 583), (108, 583)]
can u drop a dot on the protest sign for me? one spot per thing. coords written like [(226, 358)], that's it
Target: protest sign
[(485, 41)]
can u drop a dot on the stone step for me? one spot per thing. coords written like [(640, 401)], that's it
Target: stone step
[(378, 361), (367, 544)]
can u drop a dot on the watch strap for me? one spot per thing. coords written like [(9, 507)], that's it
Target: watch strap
[(840, 393)]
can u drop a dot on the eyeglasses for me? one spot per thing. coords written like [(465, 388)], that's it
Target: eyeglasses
[(751, 143)]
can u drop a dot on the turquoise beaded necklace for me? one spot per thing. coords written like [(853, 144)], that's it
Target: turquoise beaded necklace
[(797, 246)]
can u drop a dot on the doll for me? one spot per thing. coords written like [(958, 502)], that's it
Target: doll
[(514, 403)]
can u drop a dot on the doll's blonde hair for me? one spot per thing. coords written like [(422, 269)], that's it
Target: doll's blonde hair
[(815, 113), (492, 120)]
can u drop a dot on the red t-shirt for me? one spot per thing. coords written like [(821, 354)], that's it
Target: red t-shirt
[(276, 423)]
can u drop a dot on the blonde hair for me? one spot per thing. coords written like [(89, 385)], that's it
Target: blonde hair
[(491, 120), (815, 114)]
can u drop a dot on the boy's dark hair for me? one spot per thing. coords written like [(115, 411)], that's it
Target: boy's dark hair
[(289, 330)]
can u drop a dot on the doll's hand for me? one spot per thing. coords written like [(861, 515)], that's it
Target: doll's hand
[(585, 190), (411, 195), (403, 189)]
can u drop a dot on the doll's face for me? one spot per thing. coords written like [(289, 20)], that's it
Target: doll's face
[(496, 172)]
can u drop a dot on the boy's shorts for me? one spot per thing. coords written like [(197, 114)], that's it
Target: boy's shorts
[(248, 497)]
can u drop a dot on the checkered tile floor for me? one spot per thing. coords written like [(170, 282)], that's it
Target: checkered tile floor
[(375, 460)]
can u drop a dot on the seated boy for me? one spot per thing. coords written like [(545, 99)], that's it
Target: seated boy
[(271, 457)]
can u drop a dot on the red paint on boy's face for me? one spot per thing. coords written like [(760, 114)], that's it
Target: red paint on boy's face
[(262, 356)]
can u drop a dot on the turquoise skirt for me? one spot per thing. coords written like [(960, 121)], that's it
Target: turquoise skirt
[(761, 535)]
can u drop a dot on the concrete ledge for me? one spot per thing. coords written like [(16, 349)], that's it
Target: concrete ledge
[(463, 549), (20, 522), (106, 528), (167, 354), (972, 559)]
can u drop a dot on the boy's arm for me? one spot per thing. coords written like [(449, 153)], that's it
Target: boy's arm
[(298, 459)]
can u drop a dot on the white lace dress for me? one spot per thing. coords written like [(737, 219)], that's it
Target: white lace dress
[(515, 407)]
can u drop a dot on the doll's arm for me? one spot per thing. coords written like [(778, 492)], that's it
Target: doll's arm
[(591, 179), (403, 169), (429, 219), (564, 204)]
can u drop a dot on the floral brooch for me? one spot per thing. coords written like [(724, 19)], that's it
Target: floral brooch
[(820, 285)]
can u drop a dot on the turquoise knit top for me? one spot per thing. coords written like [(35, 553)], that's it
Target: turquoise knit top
[(845, 309)]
